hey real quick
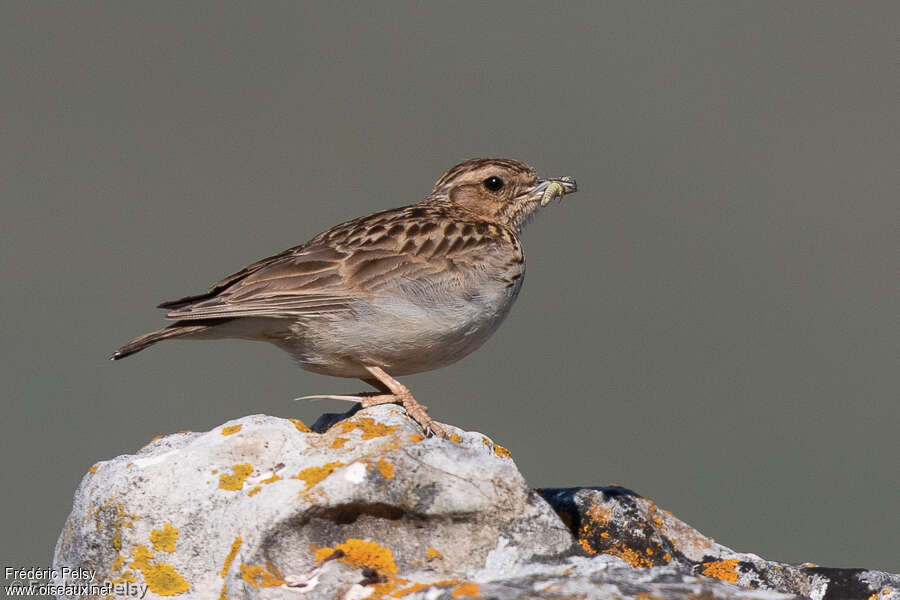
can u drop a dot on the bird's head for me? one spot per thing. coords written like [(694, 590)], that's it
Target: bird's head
[(500, 189)]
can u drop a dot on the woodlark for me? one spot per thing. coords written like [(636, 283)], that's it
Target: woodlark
[(397, 292)]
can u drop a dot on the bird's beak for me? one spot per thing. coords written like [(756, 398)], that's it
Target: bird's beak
[(548, 189)]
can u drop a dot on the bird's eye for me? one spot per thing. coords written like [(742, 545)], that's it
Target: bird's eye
[(493, 183)]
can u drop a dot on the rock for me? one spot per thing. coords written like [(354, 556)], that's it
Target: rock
[(362, 506)]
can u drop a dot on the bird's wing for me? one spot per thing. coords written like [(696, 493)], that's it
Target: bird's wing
[(415, 249)]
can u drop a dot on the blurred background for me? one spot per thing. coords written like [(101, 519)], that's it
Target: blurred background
[(711, 321)]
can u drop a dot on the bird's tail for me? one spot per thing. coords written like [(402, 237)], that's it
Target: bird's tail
[(148, 339)]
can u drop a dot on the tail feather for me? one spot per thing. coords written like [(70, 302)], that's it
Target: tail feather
[(148, 339)]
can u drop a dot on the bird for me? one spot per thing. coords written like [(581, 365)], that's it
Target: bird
[(393, 293)]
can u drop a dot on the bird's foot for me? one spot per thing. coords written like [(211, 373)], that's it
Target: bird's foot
[(393, 392), (399, 394), (418, 412)]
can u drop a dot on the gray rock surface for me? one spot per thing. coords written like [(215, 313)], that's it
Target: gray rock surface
[(362, 506)]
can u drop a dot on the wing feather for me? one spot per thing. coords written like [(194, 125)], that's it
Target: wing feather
[(412, 247)]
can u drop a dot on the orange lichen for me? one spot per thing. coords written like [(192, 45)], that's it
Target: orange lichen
[(631, 556), (362, 553), (599, 515), (235, 546), (313, 475), (275, 477), (161, 578), (93, 469), (586, 546), (164, 539), (369, 427), (254, 491), (236, 481), (300, 425), (455, 438), (385, 468), (501, 451), (726, 570), (259, 576), (339, 442), (415, 438), (231, 429), (397, 587), (433, 553), (466, 589)]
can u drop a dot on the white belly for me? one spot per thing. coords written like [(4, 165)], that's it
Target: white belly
[(399, 334)]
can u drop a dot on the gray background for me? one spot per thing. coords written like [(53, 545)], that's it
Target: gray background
[(711, 321)]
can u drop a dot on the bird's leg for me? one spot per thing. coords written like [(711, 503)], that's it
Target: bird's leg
[(390, 391), (398, 393)]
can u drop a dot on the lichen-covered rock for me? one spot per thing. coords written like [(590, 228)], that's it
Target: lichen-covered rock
[(618, 522), (262, 502), (363, 506)]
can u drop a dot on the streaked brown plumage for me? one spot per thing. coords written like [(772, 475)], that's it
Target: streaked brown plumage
[(397, 292)]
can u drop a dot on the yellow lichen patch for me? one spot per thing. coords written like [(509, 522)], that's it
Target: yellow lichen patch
[(236, 481), (466, 590), (313, 475), (501, 451), (231, 429), (415, 438), (497, 449), (159, 437), (126, 576), (164, 539), (259, 576), (599, 515), (455, 437), (369, 427), (433, 553), (119, 521), (385, 468), (301, 426), (164, 580), (396, 587), (118, 563), (726, 570), (161, 578), (362, 553), (339, 442), (235, 546), (93, 469), (586, 546), (254, 491), (275, 477), (631, 556)]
